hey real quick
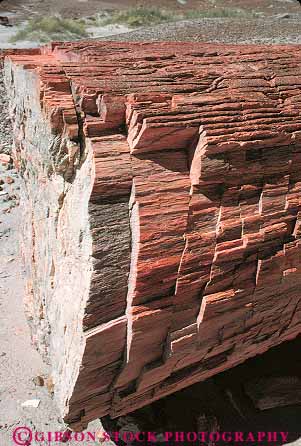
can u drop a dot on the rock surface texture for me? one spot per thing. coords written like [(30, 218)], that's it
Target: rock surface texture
[(162, 213)]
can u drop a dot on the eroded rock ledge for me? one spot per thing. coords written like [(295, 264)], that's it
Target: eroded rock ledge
[(162, 187)]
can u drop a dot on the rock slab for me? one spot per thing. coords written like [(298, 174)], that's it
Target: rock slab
[(162, 199)]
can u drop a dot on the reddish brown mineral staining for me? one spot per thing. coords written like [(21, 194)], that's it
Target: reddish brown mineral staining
[(175, 252)]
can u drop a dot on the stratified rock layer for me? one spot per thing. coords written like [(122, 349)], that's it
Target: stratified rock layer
[(162, 188)]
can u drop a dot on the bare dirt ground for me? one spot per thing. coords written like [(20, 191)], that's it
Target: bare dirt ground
[(20, 365)]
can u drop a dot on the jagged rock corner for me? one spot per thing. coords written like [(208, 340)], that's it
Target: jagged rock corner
[(161, 213)]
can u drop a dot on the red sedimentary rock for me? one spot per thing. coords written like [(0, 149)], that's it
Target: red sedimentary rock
[(162, 185)]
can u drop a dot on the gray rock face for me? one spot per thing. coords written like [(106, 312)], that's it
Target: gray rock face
[(57, 239)]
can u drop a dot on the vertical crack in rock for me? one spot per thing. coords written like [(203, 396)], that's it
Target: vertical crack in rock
[(161, 211), (161, 197)]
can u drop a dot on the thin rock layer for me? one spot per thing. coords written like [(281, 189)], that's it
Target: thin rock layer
[(162, 199)]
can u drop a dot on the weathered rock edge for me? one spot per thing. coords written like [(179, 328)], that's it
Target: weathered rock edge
[(161, 197)]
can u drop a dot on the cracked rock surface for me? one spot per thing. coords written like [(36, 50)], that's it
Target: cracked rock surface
[(161, 196)]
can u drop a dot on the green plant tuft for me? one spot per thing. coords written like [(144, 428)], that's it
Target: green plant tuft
[(45, 29), (146, 16), (219, 12), (140, 16)]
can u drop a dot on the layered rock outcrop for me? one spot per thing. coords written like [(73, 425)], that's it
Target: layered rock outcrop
[(162, 199)]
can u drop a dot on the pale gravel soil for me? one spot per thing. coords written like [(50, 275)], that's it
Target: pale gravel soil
[(275, 30)]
